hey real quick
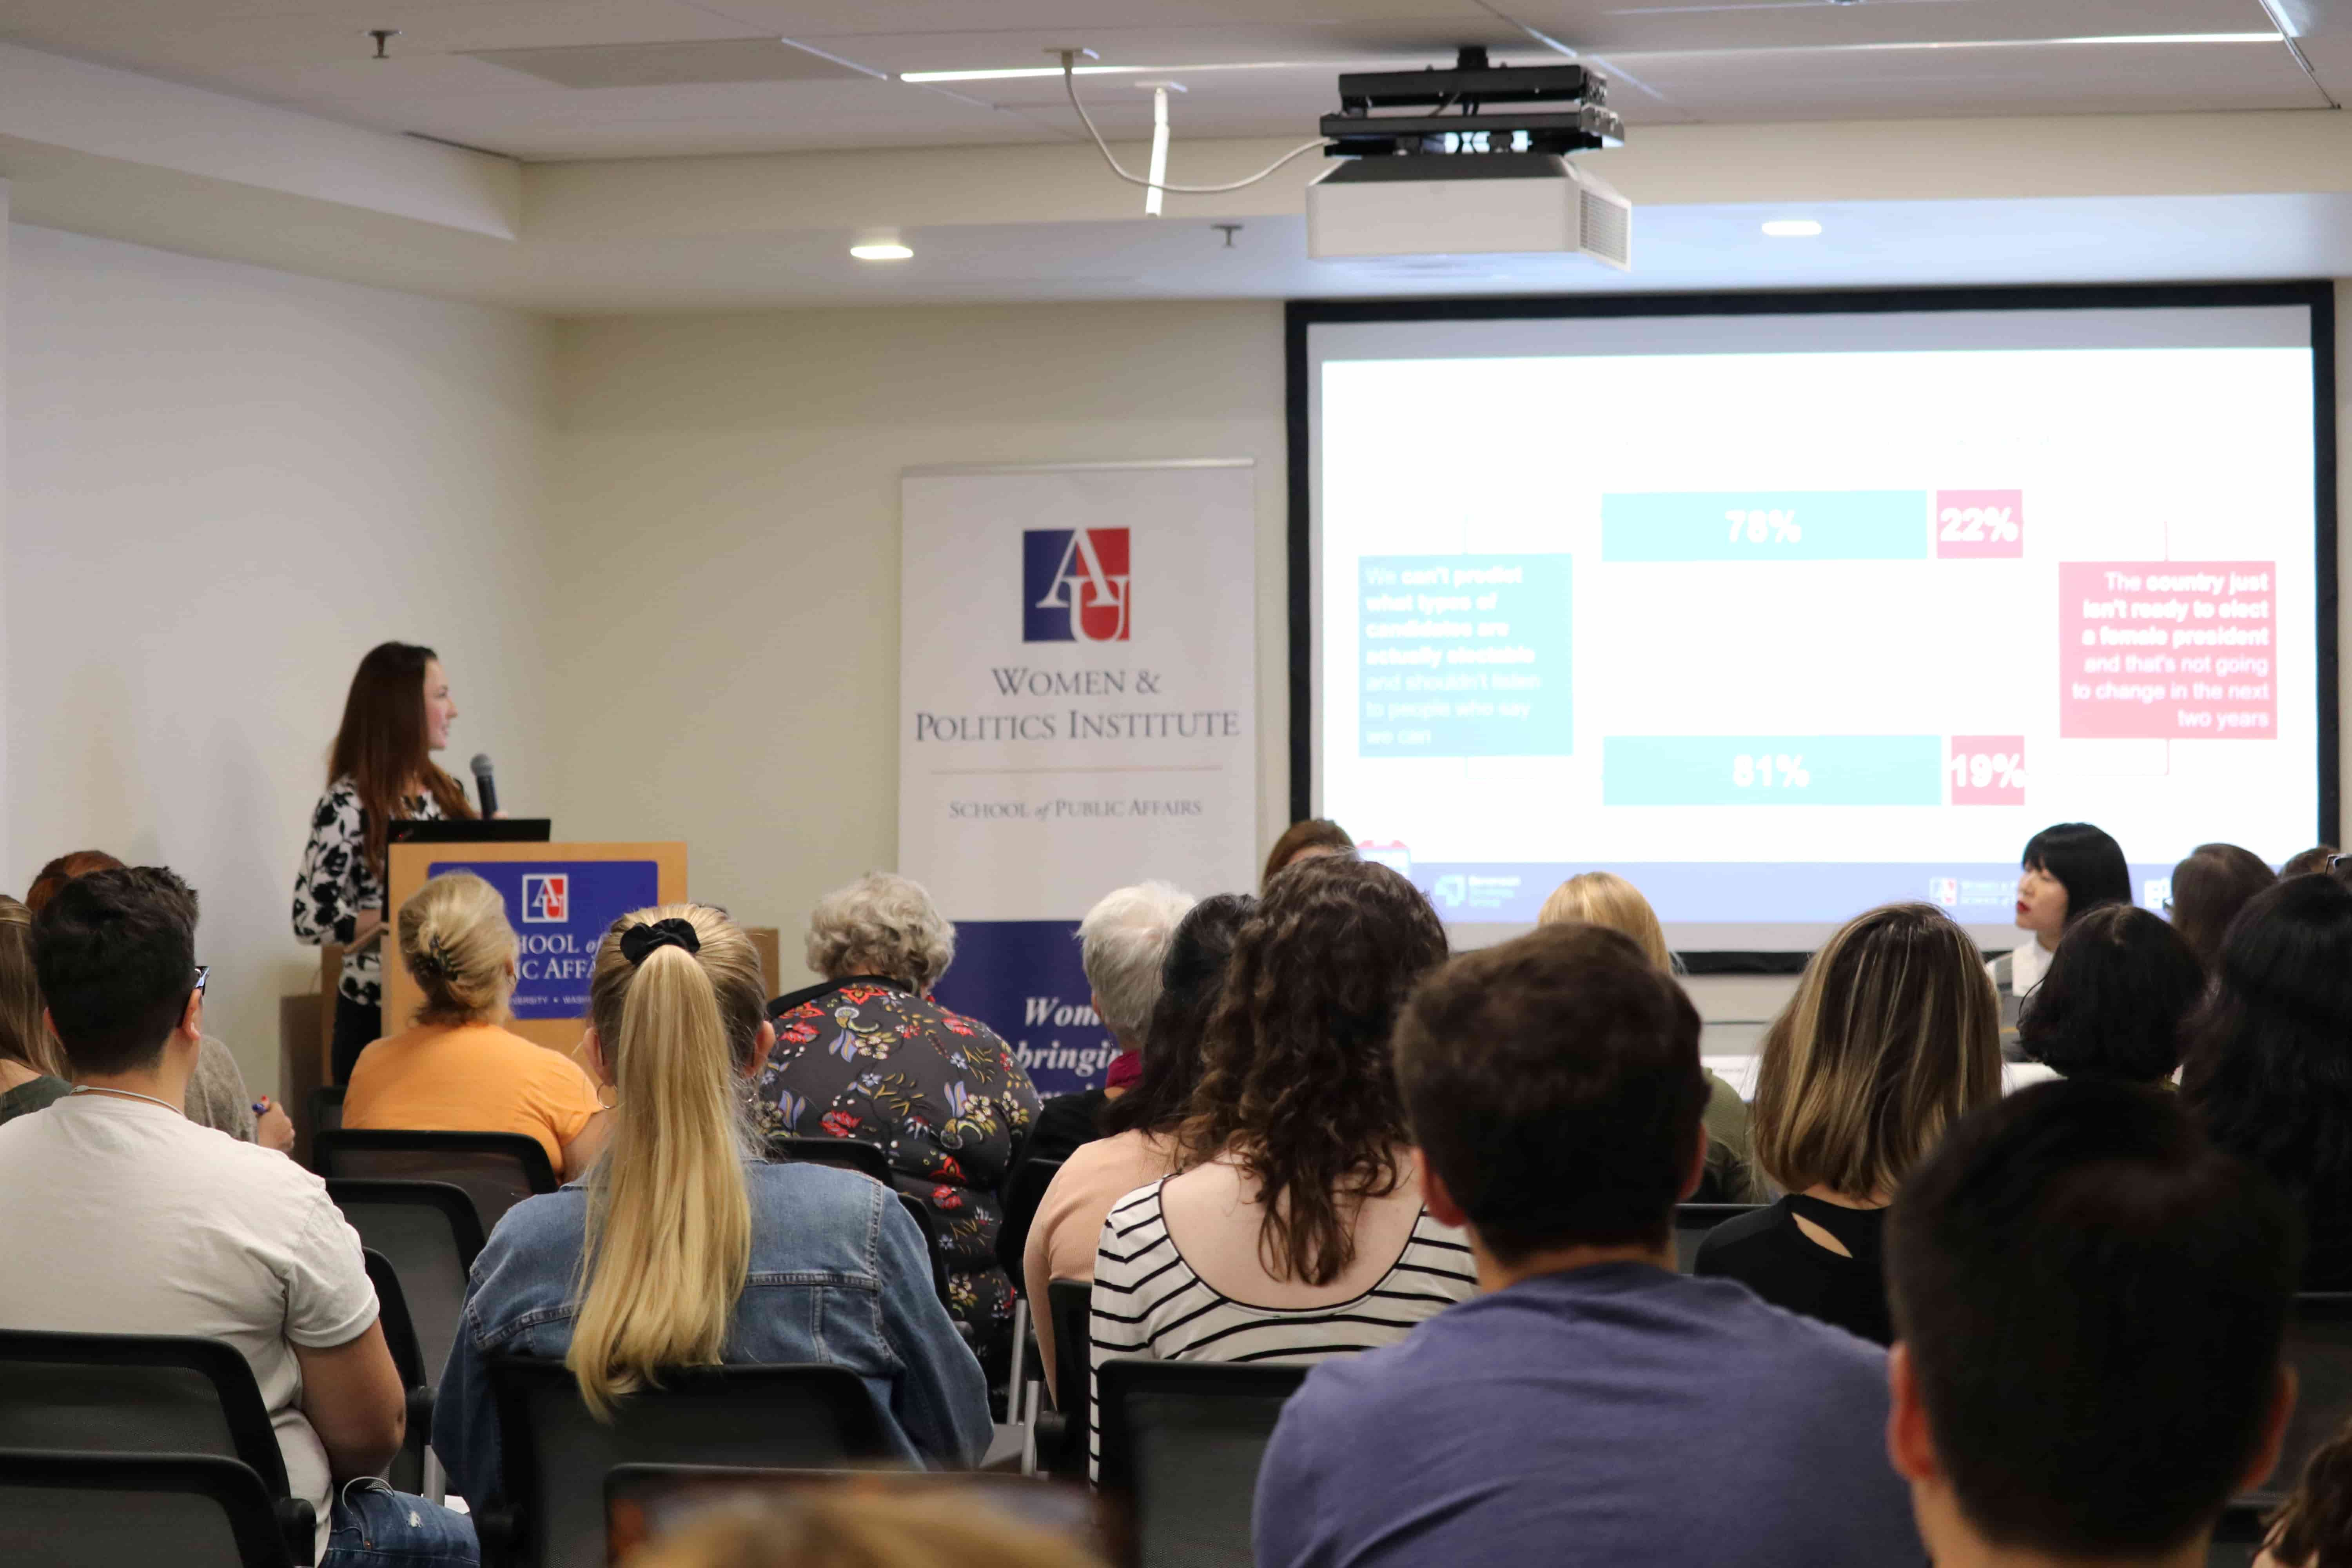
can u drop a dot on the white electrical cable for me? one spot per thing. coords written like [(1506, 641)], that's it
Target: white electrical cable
[(1070, 82)]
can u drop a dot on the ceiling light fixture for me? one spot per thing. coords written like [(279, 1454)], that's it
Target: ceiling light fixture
[(881, 250), (1791, 227)]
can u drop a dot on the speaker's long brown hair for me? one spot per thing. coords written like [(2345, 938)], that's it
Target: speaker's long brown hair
[(381, 746), (1298, 1085)]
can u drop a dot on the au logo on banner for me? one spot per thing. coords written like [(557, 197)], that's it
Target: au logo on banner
[(561, 910), (1074, 585)]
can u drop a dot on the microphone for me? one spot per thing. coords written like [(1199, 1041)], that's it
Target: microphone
[(484, 785)]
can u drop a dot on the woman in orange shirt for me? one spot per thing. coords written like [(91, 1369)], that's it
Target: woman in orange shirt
[(456, 1070)]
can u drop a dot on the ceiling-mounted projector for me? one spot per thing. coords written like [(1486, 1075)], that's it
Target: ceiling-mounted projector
[(1482, 170)]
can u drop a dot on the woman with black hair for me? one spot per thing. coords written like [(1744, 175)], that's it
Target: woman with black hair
[(2069, 870), (1138, 1145), (2268, 1059), (2113, 1002)]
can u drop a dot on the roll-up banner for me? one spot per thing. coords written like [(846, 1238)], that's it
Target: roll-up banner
[(1078, 673)]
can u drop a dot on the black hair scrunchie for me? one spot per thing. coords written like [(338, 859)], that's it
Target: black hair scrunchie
[(641, 942)]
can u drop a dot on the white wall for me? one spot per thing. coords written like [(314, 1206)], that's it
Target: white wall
[(228, 484), (726, 592)]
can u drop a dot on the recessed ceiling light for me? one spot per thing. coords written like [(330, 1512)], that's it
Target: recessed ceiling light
[(886, 252), (1791, 227)]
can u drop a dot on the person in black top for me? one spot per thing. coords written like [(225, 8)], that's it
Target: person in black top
[(1122, 943), (1893, 1035), (2268, 1063)]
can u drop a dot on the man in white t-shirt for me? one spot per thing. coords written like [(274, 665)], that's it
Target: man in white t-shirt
[(124, 1217)]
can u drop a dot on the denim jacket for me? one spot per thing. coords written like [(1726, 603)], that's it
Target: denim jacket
[(838, 1274)]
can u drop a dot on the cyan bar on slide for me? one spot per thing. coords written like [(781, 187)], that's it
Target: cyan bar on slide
[(1772, 770), (1766, 525)]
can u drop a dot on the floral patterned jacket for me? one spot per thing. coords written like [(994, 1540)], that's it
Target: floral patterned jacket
[(938, 1092)]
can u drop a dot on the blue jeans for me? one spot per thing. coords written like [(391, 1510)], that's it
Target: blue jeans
[(375, 1527)]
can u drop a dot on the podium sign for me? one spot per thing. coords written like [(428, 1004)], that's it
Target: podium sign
[(560, 898)]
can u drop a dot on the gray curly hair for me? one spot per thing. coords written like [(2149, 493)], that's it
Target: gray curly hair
[(881, 924)]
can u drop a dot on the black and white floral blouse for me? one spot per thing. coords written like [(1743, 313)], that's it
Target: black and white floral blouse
[(336, 884)]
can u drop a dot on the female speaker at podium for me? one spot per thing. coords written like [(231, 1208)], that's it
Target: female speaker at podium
[(398, 713)]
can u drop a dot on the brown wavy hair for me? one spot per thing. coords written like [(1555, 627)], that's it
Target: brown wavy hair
[(1318, 834), (1298, 1085), (381, 746)]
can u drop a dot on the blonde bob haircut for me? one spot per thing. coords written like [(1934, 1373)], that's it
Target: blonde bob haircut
[(865, 1525), (669, 1217), (1893, 1036), (1606, 899), (454, 939), (881, 924)]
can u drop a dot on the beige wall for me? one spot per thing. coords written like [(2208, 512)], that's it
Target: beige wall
[(228, 484), (727, 519)]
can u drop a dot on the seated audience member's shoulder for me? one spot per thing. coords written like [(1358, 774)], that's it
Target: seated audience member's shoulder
[(1741, 1236), (823, 1209)]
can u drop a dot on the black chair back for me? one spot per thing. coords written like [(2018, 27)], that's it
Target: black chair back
[(849, 1153), (1071, 1302), (431, 1234), (917, 1211), (1693, 1221), (2319, 1348), (2235, 1537), (327, 1109), (406, 1472), (1023, 1192), (149, 1395), (135, 1510), (496, 1170), (1181, 1442), (554, 1455)]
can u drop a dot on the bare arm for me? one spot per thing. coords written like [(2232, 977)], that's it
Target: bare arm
[(352, 1397), (582, 1151)]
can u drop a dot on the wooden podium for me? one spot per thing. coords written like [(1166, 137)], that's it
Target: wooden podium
[(561, 898)]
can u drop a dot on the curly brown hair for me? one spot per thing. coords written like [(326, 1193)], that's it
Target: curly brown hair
[(1297, 1083)]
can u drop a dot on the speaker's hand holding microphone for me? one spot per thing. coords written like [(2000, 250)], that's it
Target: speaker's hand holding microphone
[(486, 786)]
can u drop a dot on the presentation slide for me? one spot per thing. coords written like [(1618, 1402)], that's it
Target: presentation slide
[(1784, 616)]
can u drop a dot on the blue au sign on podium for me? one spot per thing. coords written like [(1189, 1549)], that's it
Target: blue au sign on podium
[(560, 898)]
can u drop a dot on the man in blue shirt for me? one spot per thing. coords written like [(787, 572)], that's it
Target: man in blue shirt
[(2092, 1299), (1591, 1406)]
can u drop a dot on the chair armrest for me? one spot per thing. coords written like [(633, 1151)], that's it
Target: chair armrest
[(298, 1526)]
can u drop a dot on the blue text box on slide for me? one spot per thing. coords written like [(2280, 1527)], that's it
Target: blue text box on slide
[(561, 909), (1024, 980), (1465, 656), (1772, 770), (1765, 525)]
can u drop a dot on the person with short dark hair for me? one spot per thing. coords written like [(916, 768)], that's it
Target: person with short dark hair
[(1589, 1406), (2118, 992), (2091, 1301), (2209, 888), (2068, 869), (125, 1218), (2267, 1059), (1304, 841)]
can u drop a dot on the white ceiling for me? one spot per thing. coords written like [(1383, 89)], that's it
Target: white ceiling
[(1672, 61)]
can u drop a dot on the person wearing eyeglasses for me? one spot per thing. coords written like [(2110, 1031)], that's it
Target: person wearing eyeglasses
[(124, 1217)]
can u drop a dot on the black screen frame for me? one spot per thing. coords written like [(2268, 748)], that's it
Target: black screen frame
[(1300, 316)]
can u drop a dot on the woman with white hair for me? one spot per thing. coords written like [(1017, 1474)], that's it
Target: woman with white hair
[(867, 1054)]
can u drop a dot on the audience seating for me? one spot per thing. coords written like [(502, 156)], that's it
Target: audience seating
[(431, 1234), (1180, 1443), (1071, 1304), (921, 1215), (555, 1455), (135, 1510), (2319, 1348), (150, 1394), (326, 1110), (849, 1153), (1693, 1221), (2236, 1537), (407, 1470), (496, 1170), (1024, 1190)]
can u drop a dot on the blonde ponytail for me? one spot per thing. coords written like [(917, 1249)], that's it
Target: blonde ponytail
[(669, 1217)]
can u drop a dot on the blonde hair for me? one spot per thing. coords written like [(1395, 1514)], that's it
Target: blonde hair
[(454, 939), (669, 1217), (1893, 1036), (25, 1036), (881, 924), (856, 1527), (1606, 899)]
